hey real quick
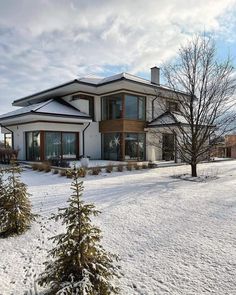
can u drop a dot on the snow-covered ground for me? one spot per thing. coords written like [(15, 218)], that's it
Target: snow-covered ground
[(173, 236)]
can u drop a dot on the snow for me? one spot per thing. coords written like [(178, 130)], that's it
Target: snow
[(173, 236)]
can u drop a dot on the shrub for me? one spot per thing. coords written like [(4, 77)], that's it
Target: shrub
[(63, 172), (7, 154), (120, 168), (129, 167), (82, 172), (55, 171), (137, 166), (109, 168), (144, 166), (96, 170), (35, 166)]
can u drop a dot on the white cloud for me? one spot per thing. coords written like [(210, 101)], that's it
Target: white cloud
[(47, 42)]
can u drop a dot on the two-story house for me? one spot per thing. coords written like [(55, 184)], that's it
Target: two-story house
[(107, 118)]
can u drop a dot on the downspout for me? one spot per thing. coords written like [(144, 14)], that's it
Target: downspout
[(12, 137), (158, 95), (83, 137)]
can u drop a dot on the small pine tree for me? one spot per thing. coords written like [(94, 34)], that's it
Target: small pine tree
[(78, 264), (15, 207)]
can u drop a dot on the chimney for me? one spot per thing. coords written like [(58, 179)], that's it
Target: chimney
[(155, 75)]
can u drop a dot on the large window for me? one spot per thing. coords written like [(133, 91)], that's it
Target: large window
[(33, 146), (112, 107), (60, 145), (124, 106), (134, 107), (111, 146), (134, 146)]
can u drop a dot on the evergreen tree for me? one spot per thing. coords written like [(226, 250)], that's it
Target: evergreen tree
[(78, 264), (15, 207)]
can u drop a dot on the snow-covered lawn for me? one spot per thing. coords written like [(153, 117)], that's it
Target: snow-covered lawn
[(173, 236)]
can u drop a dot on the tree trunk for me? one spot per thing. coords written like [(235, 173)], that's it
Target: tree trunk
[(194, 170)]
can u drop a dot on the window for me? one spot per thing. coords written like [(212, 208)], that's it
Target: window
[(8, 140), (52, 145), (60, 145), (112, 107), (172, 106), (111, 146), (134, 107), (134, 146), (33, 146)]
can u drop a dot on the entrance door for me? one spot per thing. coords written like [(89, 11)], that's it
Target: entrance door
[(168, 147)]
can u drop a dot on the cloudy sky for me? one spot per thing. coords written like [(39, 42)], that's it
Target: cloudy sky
[(47, 42)]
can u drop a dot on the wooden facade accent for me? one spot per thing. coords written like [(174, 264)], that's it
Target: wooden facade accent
[(122, 125)]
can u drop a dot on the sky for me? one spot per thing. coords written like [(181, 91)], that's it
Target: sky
[(45, 43)]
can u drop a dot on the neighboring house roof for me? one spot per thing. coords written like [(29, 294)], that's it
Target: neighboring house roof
[(168, 119), (51, 107), (92, 82)]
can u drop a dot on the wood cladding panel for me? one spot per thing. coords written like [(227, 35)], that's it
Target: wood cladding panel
[(121, 125)]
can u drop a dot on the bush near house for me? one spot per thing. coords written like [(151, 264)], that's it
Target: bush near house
[(7, 154)]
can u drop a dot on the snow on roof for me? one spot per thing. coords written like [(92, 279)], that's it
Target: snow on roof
[(168, 118), (51, 106)]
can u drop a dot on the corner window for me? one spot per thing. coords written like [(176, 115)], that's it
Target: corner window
[(134, 107), (111, 146), (112, 107), (134, 146)]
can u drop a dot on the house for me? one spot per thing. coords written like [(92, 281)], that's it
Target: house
[(107, 118), (226, 148)]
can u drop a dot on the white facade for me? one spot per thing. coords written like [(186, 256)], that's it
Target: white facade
[(71, 113)]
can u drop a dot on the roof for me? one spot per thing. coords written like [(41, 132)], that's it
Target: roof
[(74, 86), (168, 119), (51, 107)]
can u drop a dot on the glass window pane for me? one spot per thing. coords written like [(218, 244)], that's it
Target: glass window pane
[(8, 140), (131, 107), (36, 145), (52, 145), (111, 146), (141, 108), (69, 145), (134, 146), (111, 107), (33, 146), (29, 146)]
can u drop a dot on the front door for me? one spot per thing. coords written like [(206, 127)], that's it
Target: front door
[(168, 147)]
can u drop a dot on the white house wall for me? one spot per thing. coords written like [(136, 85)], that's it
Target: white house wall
[(93, 149)]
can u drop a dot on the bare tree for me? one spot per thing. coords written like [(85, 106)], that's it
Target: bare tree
[(204, 90)]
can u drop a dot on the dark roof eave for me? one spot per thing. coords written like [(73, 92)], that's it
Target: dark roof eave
[(46, 114), (90, 84)]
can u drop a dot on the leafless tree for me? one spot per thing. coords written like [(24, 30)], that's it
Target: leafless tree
[(208, 109)]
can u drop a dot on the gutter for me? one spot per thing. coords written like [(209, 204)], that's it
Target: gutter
[(12, 137), (158, 95), (83, 137)]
